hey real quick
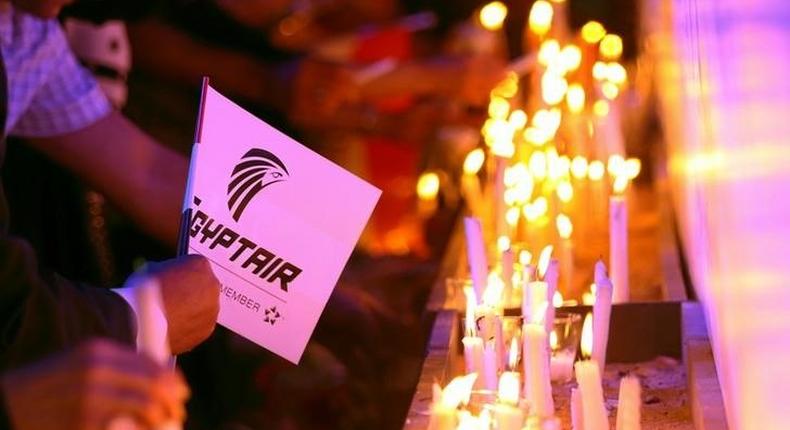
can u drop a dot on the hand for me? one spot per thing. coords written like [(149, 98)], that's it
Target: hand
[(190, 294), (89, 386)]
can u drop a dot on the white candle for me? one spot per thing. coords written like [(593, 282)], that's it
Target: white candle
[(629, 404), (535, 299), (551, 278), (561, 367), (618, 244), (490, 366), (602, 309), (508, 417), (473, 345), (476, 255), (536, 370), (470, 183), (577, 414), (591, 391)]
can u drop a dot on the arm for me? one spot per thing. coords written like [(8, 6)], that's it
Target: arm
[(144, 179)]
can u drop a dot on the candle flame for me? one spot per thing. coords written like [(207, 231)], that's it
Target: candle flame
[(538, 164), (565, 191), (553, 88), (616, 73), (595, 170), (557, 300), (575, 98), (610, 90), (587, 336), (579, 167), (615, 165), (524, 257), (588, 299), (553, 343), (632, 167), (428, 186), (620, 184), (471, 305), (593, 31), (544, 259), (548, 52), (600, 71), (503, 243), (601, 108), (571, 57), (512, 215), (498, 108), (611, 46), (474, 161), (458, 391), (564, 226), (493, 15), (513, 356), (492, 295), (540, 17), (518, 119)]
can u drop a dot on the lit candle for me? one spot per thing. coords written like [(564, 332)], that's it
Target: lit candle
[(470, 183), (444, 409), (473, 345), (536, 292), (577, 414), (561, 360), (507, 414), (565, 229), (591, 392), (476, 255), (490, 366), (618, 240), (601, 311), (536, 371), (629, 404)]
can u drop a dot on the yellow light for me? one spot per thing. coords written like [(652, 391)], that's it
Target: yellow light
[(524, 257), (632, 167), (587, 336), (571, 57), (553, 163), (565, 191), (511, 216), (508, 87), (579, 167), (600, 71), (502, 145), (553, 88), (588, 299), (493, 15), (428, 186), (615, 73), (536, 209), (564, 226), (496, 130), (492, 295), (510, 176), (601, 108), (610, 90), (474, 161), (503, 243), (537, 136), (575, 98), (509, 197), (544, 259), (593, 31), (523, 190), (548, 52), (498, 108), (615, 165), (518, 119), (553, 343), (611, 47), (564, 165), (620, 184), (595, 170), (557, 300), (537, 164), (540, 17)]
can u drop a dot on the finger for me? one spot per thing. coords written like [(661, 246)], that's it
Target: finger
[(108, 402)]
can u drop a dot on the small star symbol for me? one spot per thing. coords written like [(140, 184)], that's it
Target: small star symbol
[(271, 315)]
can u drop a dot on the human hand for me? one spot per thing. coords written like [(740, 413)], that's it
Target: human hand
[(190, 294), (91, 385)]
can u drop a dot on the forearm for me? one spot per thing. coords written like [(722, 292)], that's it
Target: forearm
[(142, 178)]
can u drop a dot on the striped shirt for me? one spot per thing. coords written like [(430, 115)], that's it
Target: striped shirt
[(49, 92)]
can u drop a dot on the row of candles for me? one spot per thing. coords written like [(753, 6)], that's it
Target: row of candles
[(513, 402), (553, 156)]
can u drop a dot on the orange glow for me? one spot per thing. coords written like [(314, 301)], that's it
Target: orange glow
[(557, 300), (601, 108), (428, 186), (587, 336), (575, 98), (553, 343), (632, 167)]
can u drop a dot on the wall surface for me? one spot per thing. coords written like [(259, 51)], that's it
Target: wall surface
[(723, 80)]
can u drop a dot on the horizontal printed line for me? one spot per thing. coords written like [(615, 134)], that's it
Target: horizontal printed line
[(238, 276)]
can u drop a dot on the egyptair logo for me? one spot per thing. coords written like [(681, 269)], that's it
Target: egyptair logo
[(257, 169)]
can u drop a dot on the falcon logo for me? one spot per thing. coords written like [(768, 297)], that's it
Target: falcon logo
[(257, 170)]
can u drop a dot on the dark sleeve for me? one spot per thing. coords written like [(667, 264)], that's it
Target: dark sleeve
[(42, 313)]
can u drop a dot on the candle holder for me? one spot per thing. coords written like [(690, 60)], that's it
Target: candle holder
[(564, 341)]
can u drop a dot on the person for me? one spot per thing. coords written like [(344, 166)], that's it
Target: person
[(58, 107), (90, 386)]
